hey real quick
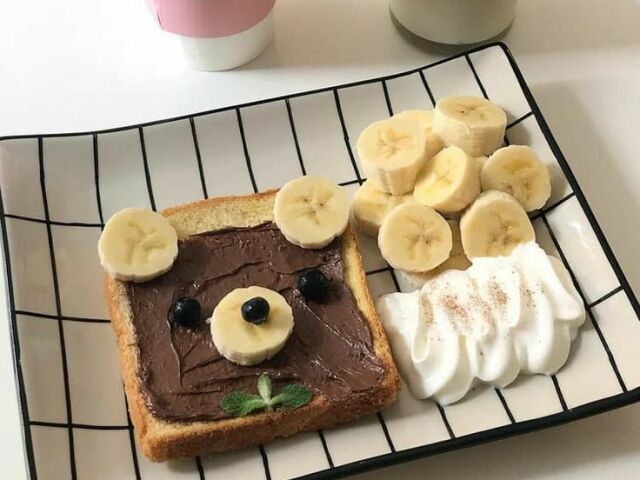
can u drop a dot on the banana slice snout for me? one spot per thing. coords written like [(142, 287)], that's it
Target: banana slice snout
[(246, 343), (415, 238), (392, 152), (517, 170), (311, 211), (474, 124), (494, 225), (449, 182), (137, 245)]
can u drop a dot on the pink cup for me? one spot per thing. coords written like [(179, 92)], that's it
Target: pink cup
[(217, 34)]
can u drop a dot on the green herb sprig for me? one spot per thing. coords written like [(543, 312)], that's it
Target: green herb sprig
[(239, 404)]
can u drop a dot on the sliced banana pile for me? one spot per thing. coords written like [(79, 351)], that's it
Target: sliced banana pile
[(424, 118), (250, 325), (415, 238), (461, 158), (392, 152), (449, 182), (370, 206), (494, 225), (137, 245), (457, 261), (518, 171), (474, 124)]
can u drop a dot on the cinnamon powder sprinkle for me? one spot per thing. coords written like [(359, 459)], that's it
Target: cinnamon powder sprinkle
[(459, 313), (498, 295), (450, 303)]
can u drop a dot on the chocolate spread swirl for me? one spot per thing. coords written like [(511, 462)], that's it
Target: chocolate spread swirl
[(183, 377)]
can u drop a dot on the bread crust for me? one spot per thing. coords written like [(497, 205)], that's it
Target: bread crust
[(161, 440)]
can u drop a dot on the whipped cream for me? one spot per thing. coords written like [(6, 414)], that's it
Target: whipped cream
[(500, 317)]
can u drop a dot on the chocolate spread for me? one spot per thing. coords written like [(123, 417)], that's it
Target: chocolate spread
[(182, 375)]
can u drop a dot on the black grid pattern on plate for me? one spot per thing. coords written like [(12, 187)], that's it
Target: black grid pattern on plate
[(96, 177), (52, 255), (394, 456)]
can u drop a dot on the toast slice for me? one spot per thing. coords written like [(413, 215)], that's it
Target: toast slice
[(162, 440)]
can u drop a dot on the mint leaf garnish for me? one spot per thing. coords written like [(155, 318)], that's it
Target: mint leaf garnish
[(293, 395), (264, 387), (239, 404)]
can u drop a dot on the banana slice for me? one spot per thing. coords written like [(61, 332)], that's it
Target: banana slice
[(449, 182), (425, 120), (494, 225), (472, 123), (518, 171), (311, 211), (370, 206), (246, 343), (457, 261), (414, 238), (137, 245), (392, 152)]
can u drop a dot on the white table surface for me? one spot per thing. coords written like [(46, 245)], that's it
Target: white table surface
[(79, 65)]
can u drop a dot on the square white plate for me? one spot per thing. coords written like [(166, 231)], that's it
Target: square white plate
[(57, 191)]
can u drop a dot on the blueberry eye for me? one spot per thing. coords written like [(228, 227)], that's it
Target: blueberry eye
[(313, 284), (186, 312), (255, 310)]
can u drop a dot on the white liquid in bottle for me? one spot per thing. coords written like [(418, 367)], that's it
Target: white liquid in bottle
[(454, 21)]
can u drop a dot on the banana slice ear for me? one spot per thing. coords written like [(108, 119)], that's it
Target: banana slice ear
[(311, 211), (137, 245)]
